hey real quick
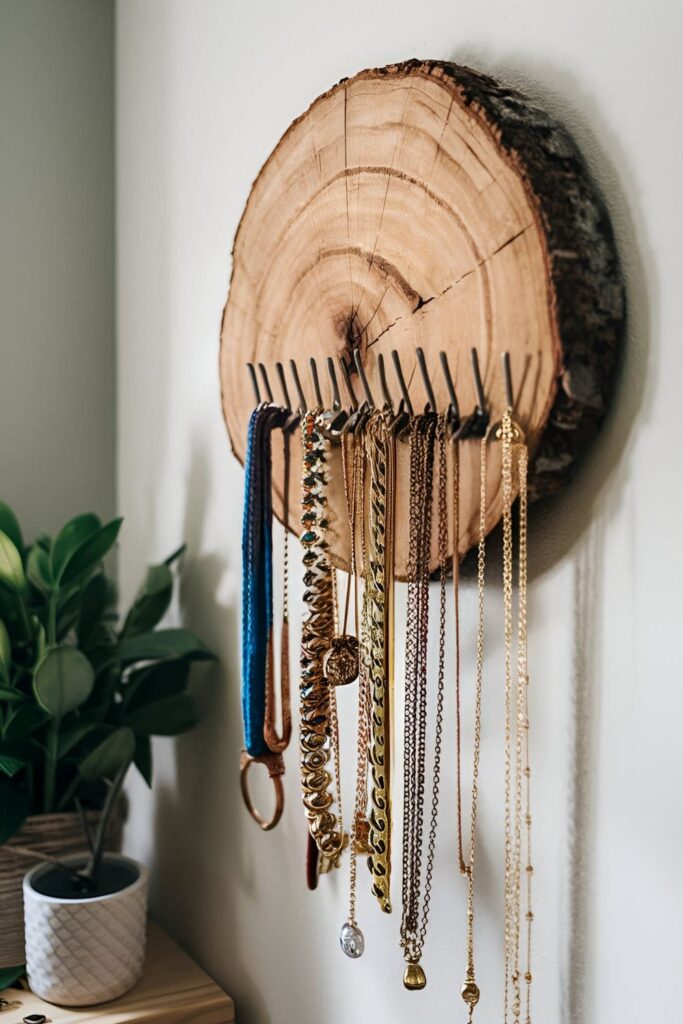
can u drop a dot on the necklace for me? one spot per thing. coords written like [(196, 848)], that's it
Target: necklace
[(470, 989), (317, 709), (279, 743), (351, 938), (380, 659), (517, 765), (425, 431), (257, 611), (341, 661), (523, 682)]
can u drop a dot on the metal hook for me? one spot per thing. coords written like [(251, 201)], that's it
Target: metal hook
[(347, 381), (425, 378), (283, 385), (507, 374), (316, 382), (401, 381), (254, 382), (455, 411), (363, 379), (336, 396), (266, 383), (303, 405), (388, 401), (481, 398)]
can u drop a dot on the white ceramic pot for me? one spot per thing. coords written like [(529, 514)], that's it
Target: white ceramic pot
[(83, 951)]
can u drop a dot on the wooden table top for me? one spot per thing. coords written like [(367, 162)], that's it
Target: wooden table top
[(173, 989)]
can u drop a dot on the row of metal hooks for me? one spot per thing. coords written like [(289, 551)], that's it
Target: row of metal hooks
[(348, 420)]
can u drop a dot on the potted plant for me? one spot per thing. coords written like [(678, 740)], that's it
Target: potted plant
[(80, 697)]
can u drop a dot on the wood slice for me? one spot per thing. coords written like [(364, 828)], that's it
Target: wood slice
[(425, 204)]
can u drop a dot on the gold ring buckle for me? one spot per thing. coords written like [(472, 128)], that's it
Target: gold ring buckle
[(275, 764)]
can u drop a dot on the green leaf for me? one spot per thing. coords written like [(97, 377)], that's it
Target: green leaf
[(39, 639), (5, 651), (163, 643), (63, 680), (8, 975), (15, 800), (166, 717), (69, 539), (71, 737), (8, 693), (9, 524), (10, 765), (143, 761), (175, 555), (107, 759), (152, 601), (23, 721), (91, 552), (143, 758), (11, 567), (97, 597), (38, 568), (13, 612), (162, 679)]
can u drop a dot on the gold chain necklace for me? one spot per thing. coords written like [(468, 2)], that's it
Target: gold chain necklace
[(470, 990), (517, 765), (351, 938), (380, 586), (425, 431), (316, 709)]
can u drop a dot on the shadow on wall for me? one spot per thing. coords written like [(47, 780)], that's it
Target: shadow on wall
[(584, 512), (185, 848), (557, 523)]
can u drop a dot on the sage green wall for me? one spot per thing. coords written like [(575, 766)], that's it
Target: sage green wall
[(57, 428)]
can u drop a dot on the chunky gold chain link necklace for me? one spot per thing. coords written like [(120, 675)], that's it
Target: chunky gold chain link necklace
[(316, 635), (381, 454), (426, 430)]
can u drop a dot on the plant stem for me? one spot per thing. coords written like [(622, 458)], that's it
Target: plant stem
[(52, 617), (100, 836), (51, 754), (68, 793)]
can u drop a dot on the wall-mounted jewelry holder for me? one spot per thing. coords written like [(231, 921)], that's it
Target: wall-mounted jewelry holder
[(425, 206)]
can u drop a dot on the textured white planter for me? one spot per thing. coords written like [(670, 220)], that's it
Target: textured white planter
[(85, 951)]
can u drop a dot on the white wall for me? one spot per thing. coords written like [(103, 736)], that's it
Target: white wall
[(204, 91), (57, 259)]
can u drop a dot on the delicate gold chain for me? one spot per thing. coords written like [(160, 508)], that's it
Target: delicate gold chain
[(506, 439), (523, 683), (425, 431), (470, 990), (517, 760)]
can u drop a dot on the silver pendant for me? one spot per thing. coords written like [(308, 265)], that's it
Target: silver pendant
[(351, 940)]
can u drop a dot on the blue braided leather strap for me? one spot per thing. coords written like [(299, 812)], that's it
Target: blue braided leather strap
[(257, 573)]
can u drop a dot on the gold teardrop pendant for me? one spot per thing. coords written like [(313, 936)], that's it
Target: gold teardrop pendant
[(414, 977)]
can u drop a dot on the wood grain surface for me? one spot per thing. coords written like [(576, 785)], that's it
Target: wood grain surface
[(424, 204), (173, 990)]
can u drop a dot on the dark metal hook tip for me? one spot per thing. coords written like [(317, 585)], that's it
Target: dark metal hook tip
[(476, 372), (266, 383), (422, 363), (254, 382)]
